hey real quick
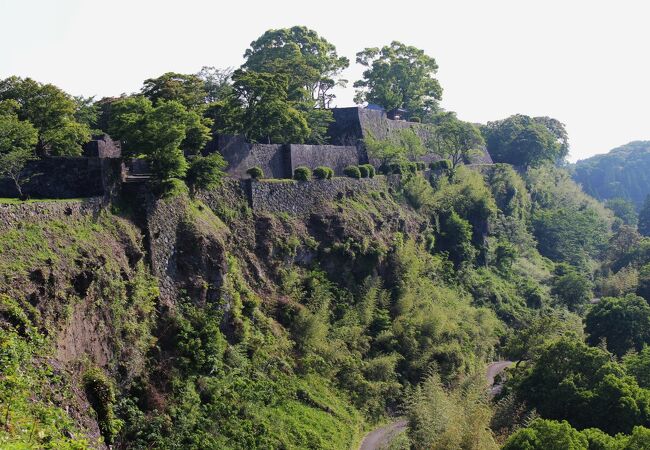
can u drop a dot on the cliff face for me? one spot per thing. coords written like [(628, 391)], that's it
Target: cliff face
[(78, 274), (214, 326)]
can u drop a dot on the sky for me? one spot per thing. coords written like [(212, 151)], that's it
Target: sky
[(586, 63)]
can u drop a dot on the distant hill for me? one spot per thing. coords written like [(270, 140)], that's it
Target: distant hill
[(623, 172)]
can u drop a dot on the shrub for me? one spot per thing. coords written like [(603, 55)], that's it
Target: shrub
[(363, 170), (101, 395), (400, 168), (411, 167), (371, 170), (172, 187), (352, 172), (415, 119), (255, 172), (302, 174), (421, 165), (323, 173), (205, 172), (443, 164)]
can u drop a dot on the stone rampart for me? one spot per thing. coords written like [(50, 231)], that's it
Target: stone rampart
[(59, 177), (242, 155), (303, 197), (337, 157)]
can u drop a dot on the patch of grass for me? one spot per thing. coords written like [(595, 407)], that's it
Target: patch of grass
[(17, 201), (278, 180)]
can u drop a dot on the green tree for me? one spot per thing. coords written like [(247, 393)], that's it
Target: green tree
[(624, 210), (87, 111), (456, 239), (159, 133), (643, 287), (308, 60), (260, 109), (526, 141), (187, 89), (217, 83), (547, 435), (399, 76), (526, 342), (18, 139), (51, 111), (398, 148), (571, 381), (571, 288), (458, 141), (644, 217), (205, 172), (623, 322)]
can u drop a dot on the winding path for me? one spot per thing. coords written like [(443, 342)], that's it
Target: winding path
[(380, 437)]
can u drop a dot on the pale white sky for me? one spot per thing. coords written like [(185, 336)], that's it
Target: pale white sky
[(586, 63)]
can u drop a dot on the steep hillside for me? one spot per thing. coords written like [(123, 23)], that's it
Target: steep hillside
[(624, 172), (210, 325)]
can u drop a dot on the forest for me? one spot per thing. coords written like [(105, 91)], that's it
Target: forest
[(288, 331)]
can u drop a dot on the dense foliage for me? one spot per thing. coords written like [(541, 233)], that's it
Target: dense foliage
[(621, 173), (399, 76), (51, 111), (526, 141)]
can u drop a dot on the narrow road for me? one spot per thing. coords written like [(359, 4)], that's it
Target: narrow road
[(494, 369), (380, 437)]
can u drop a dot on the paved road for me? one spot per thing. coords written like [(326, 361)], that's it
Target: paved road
[(493, 369), (382, 436)]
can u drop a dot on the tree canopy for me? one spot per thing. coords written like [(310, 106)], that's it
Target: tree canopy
[(308, 60), (399, 76), (187, 89), (162, 133), (51, 111), (526, 141), (644, 217), (18, 139), (457, 140), (260, 109), (624, 323)]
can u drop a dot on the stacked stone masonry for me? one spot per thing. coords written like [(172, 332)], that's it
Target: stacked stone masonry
[(303, 197)]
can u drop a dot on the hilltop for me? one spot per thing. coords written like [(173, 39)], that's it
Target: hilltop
[(623, 172)]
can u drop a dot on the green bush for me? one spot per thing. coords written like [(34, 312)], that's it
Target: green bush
[(415, 119), (172, 187), (443, 164), (302, 174), (323, 173), (255, 172), (363, 170), (101, 396), (205, 172), (421, 165), (371, 170), (352, 172)]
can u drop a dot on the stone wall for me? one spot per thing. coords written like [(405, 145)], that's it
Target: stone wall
[(337, 157), (102, 146), (59, 177), (163, 220), (352, 125), (303, 197), (37, 212), (242, 155)]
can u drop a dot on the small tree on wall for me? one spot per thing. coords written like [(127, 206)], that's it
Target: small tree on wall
[(457, 140), (18, 139)]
